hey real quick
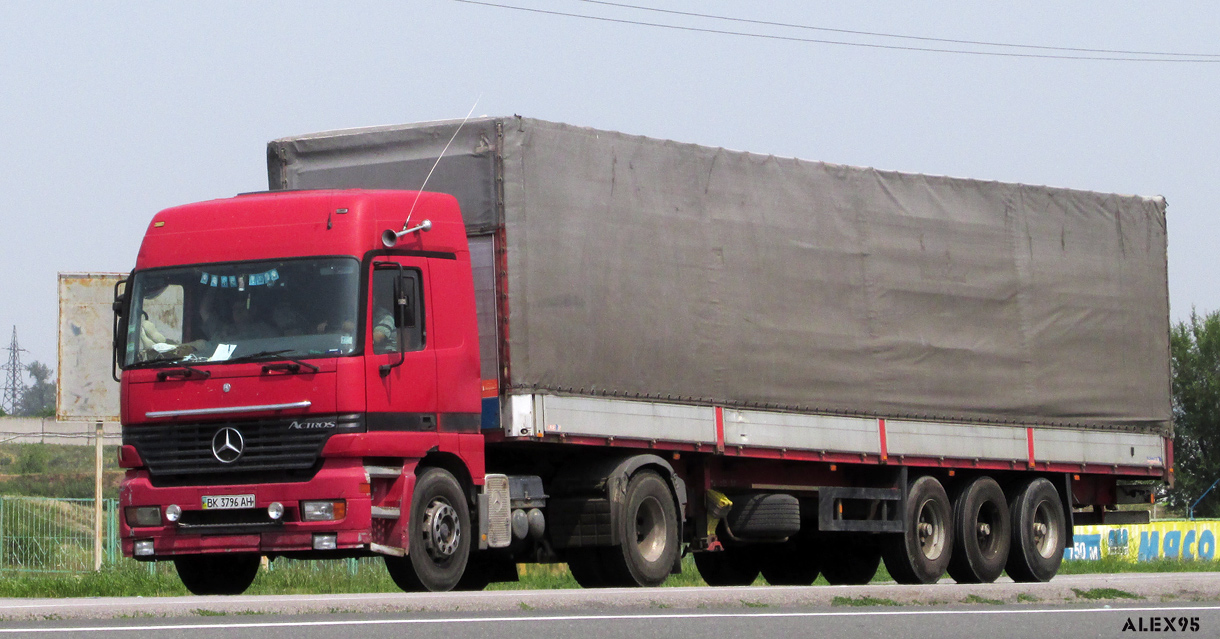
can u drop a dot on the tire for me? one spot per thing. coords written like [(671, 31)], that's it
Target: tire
[(920, 555), (648, 531), (764, 516), (794, 563), (733, 566), (439, 535), (223, 574), (850, 563), (1038, 532), (981, 532)]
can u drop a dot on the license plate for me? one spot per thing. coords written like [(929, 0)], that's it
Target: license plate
[(227, 502)]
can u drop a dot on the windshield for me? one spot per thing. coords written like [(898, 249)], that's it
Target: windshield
[(222, 312)]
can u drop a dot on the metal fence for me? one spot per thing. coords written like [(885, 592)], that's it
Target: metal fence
[(39, 534)]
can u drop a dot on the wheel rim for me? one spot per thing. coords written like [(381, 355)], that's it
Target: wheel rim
[(1046, 530), (650, 529), (931, 528), (441, 531), (987, 528)]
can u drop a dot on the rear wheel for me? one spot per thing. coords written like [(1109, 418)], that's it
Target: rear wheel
[(980, 531), (648, 531), (851, 562), (733, 566), (217, 574), (920, 555), (439, 530), (1038, 532)]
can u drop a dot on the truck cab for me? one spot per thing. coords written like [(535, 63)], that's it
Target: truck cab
[(287, 376)]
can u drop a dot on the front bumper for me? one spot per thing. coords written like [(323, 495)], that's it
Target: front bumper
[(339, 478)]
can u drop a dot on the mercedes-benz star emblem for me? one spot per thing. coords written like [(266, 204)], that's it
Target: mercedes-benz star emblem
[(228, 445)]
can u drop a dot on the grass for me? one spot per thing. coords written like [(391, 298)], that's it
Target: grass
[(976, 599), (1104, 593), (1115, 565), (56, 470), (863, 601)]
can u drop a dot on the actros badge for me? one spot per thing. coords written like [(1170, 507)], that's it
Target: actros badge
[(228, 445)]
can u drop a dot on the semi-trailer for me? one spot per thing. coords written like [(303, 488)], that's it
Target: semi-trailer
[(468, 345)]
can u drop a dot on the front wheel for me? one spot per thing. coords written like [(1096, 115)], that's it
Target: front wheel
[(224, 574), (438, 547), (648, 532)]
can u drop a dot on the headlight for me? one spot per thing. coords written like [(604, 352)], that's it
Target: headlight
[(331, 510), (275, 510), (173, 513), (143, 516)]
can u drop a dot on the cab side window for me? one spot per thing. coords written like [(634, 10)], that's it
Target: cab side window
[(388, 318)]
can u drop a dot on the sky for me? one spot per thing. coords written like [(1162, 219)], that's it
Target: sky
[(112, 111)]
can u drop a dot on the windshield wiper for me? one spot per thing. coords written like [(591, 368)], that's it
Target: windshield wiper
[(292, 366), (182, 371), (259, 355)]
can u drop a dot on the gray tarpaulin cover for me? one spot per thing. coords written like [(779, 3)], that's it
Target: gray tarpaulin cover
[(645, 267)]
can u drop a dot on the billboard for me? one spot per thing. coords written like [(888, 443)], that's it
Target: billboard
[(86, 390), (1186, 540)]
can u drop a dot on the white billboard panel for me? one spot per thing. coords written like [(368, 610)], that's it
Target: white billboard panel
[(86, 389)]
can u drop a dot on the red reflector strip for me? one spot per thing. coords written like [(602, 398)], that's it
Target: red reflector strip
[(491, 388), (1029, 440), (719, 429), (885, 450)]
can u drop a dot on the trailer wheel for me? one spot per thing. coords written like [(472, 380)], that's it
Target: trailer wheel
[(439, 529), (981, 532), (217, 574), (1038, 532), (921, 554), (733, 566), (649, 533), (793, 563), (850, 563)]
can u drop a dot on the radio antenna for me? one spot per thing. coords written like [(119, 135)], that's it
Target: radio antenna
[(407, 223)]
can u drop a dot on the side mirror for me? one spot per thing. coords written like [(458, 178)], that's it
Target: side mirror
[(120, 328)]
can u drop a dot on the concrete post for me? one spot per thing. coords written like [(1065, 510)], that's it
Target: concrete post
[(97, 499)]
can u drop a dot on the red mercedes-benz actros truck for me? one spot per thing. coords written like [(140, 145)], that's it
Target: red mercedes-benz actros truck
[(588, 347)]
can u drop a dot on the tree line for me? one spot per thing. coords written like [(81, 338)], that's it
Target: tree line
[(1195, 350), (37, 399)]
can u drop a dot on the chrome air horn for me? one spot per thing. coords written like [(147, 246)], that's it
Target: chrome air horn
[(390, 237)]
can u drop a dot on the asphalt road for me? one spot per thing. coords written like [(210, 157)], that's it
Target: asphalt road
[(950, 622), (1076, 606)]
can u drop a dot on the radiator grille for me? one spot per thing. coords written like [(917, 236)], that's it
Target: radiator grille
[(280, 449)]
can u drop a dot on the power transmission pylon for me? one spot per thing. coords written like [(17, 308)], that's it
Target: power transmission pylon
[(14, 377)]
